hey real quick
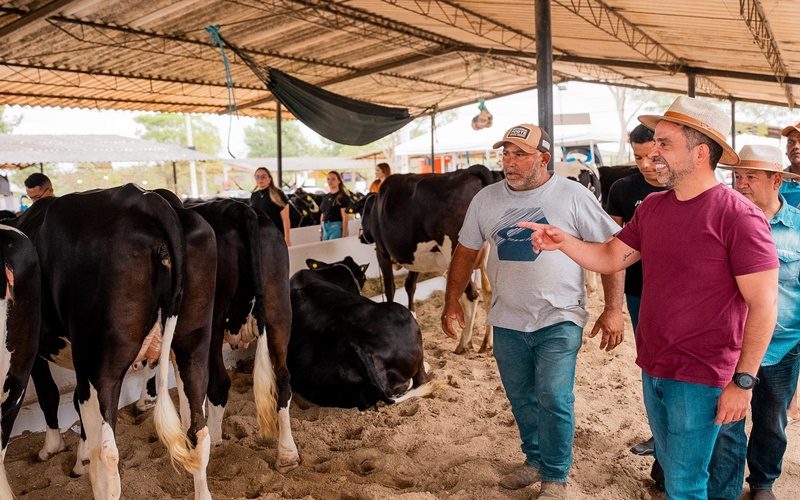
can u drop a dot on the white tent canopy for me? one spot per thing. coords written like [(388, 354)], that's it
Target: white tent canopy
[(33, 149), (459, 137)]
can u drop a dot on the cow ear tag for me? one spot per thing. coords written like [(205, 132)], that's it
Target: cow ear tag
[(314, 265)]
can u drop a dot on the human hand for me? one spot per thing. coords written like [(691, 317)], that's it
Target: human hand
[(733, 404), (545, 236), (613, 327), (452, 312)]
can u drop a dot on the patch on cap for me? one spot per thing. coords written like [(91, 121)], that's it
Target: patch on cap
[(521, 132)]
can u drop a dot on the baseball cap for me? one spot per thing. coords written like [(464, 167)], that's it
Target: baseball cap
[(527, 137)]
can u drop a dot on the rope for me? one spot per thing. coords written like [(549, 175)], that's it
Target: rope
[(213, 30)]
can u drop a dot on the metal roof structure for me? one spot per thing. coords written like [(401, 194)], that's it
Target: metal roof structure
[(33, 149), (300, 163), (156, 56)]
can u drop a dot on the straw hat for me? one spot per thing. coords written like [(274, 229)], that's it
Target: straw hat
[(702, 116), (761, 157)]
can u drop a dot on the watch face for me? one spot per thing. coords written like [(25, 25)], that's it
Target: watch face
[(744, 380)]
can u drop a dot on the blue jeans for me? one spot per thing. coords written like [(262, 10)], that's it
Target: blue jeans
[(634, 303), (681, 416), (764, 453), (538, 373), (331, 230)]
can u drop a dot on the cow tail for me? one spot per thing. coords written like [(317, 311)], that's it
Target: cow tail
[(265, 390), (165, 417), (482, 173), (372, 376)]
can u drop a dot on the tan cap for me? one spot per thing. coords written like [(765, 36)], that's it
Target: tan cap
[(527, 137), (702, 116), (762, 157), (791, 128)]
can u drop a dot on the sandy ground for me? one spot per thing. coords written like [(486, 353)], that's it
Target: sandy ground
[(455, 444)]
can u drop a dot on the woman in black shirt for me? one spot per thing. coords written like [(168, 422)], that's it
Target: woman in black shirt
[(272, 201), (334, 208)]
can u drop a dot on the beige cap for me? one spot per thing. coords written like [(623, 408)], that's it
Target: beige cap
[(702, 116), (762, 157), (527, 137), (791, 128)]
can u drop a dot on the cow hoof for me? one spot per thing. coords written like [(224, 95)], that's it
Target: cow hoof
[(460, 349), (145, 404), (80, 469), (285, 465)]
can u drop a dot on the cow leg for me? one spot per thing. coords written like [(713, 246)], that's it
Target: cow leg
[(387, 272), (191, 369), (48, 395), (98, 416), (15, 387), (147, 398), (590, 278), (411, 288), (469, 304), (219, 383), (82, 453)]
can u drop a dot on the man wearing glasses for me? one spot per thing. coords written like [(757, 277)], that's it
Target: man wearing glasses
[(38, 186), (538, 305)]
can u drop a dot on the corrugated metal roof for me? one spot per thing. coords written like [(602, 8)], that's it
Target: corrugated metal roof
[(155, 55), (31, 149)]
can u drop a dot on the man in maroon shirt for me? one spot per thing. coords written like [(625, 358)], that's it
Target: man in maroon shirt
[(709, 300)]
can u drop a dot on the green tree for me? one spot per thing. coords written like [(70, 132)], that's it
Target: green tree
[(261, 140), (171, 128), (7, 123)]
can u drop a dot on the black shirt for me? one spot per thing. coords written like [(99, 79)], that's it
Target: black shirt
[(625, 195), (332, 205), (260, 200)]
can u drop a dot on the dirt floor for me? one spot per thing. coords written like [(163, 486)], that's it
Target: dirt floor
[(455, 444)]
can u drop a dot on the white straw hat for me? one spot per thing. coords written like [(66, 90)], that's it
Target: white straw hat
[(762, 157), (702, 116)]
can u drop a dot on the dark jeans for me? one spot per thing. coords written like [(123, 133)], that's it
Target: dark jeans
[(634, 303), (538, 373), (764, 452)]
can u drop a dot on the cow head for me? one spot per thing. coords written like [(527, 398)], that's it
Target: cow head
[(350, 273), (363, 208)]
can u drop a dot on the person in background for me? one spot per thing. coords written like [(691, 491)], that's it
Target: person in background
[(273, 202), (624, 196), (382, 171), (790, 189), (38, 186), (334, 208), (710, 293), (758, 177)]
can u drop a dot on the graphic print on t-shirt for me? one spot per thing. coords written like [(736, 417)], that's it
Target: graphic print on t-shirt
[(514, 243)]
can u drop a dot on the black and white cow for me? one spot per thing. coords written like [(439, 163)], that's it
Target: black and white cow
[(251, 303), (114, 278), (414, 221), (20, 312), (346, 350), (581, 173)]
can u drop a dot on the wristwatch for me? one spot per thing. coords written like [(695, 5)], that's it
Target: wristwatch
[(745, 380)]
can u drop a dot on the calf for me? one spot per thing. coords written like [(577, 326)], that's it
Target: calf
[(414, 221), (20, 283), (114, 276), (346, 350)]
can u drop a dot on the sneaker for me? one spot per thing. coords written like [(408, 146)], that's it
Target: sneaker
[(520, 477), (553, 491), (762, 495), (645, 448)]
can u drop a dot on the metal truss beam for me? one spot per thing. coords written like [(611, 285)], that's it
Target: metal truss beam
[(753, 14), (32, 20), (601, 16)]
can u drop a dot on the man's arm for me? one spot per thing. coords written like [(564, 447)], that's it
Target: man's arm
[(458, 276), (610, 320), (760, 292), (604, 258)]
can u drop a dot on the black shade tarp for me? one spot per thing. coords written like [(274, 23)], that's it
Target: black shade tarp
[(335, 117)]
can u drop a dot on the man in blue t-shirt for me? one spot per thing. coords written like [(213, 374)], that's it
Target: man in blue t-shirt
[(790, 189)]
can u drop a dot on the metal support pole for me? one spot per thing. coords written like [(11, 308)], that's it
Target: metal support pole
[(175, 179), (433, 130), (544, 69), (690, 90), (192, 167), (41, 168), (279, 143), (733, 123)]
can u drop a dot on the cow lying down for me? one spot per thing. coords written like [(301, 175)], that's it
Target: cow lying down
[(346, 350)]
